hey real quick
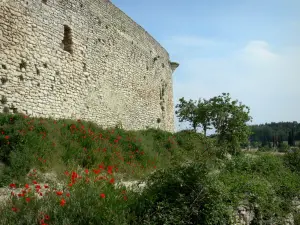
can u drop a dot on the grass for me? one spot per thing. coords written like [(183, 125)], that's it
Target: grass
[(65, 172)]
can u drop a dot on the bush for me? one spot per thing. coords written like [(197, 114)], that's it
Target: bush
[(181, 195), (283, 147), (292, 160)]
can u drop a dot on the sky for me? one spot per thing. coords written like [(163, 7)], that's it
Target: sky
[(248, 48)]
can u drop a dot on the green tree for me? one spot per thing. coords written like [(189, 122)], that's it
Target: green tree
[(195, 112), (229, 118)]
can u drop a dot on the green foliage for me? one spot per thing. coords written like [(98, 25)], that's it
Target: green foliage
[(292, 160), (263, 182), (191, 183), (283, 147), (195, 112), (227, 117), (181, 195)]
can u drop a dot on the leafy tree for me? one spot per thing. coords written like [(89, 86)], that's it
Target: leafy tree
[(195, 112), (229, 118)]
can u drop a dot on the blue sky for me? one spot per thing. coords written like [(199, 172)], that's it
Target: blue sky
[(248, 48)]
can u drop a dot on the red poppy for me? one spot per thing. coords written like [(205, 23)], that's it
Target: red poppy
[(125, 198), (13, 185), (62, 202), (46, 186), (112, 180), (59, 193), (47, 217), (26, 186), (27, 199), (68, 194), (86, 171), (14, 209), (102, 195), (34, 182), (6, 137)]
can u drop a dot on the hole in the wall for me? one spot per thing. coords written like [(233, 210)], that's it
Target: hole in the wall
[(81, 5), (21, 78), (23, 65), (45, 65), (99, 21), (44, 1), (163, 65), (4, 67), (144, 77), (84, 67), (15, 110), (3, 100), (6, 109), (38, 84), (4, 80), (132, 42), (67, 41), (158, 120), (52, 87), (57, 73), (155, 59), (147, 67), (106, 26)]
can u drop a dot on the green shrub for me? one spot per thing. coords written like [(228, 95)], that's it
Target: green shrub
[(181, 195), (292, 160)]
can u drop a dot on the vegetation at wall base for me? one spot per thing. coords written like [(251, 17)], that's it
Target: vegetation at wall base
[(74, 172)]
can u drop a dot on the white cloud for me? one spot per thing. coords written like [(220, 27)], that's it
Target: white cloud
[(261, 78)]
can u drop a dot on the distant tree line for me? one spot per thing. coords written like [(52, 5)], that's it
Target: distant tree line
[(274, 134)]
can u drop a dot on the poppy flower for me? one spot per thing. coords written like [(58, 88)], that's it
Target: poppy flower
[(6, 137), (14, 209), (34, 182), (62, 202), (59, 193), (13, 185), (68, 194), (102, 195), (112, 180), (47, 217), (26, 186), (27, 199)]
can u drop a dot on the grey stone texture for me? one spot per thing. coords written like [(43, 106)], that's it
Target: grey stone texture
[(83, 59)]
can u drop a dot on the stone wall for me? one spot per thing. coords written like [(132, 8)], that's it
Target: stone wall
[(82, 59)]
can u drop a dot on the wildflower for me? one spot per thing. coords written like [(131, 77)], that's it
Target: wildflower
[(59, 193), (46, 186), (47, 217), (26, 186), (14, 209), (6, 137), (62, 202), (34, 182), (96, 171), (27, 199), (12, 185), (125, 198), (68, 194), (86, 171), (112, 180), (41, 194), (102, 195)]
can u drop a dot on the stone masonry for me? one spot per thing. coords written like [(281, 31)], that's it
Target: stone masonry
[(83, 59)]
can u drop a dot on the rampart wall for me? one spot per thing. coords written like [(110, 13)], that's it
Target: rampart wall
[(82, 59)]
